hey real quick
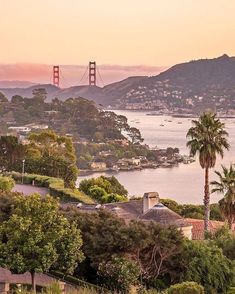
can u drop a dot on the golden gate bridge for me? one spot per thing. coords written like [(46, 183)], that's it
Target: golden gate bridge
[(90, 75)]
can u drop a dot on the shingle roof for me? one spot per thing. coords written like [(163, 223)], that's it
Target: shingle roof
[(133, 209), (163, 215)]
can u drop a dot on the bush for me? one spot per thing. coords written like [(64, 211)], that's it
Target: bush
[(119, 273), (104, 189), (6, 183), (55, 186), (206, 265), (186, 287)]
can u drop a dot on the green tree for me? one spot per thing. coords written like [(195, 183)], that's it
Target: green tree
[(120, 273), (207, 138), (7, 204), (39, 95), (109, 184), (3, 98), (17, 99), (6, 183), (34, 235), (11, 153), (135, 135), (226, 186), (205, 264), (52, 155), (225, 240)]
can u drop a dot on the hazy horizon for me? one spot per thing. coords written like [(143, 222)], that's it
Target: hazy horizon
[(152, 32)]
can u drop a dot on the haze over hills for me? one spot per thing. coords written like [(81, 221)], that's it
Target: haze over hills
[(16, 84), (72, 75), (200, 83)]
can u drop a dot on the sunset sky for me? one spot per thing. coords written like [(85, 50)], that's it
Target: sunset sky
[(115, 32)]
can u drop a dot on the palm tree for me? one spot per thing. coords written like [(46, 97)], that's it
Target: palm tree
[(226, 185), (207, 138)]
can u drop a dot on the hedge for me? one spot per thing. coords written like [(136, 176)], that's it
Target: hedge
[(55, 186), (186, 287)]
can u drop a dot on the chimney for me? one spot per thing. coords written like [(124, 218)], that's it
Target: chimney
[(149, 200)]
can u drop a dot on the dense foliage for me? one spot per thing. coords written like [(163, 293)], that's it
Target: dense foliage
[(155, 249), (193, 210), (117, 255), (45, 153), (205, 264), (119, 273), (37, 237), (6, 183), (104, 189)]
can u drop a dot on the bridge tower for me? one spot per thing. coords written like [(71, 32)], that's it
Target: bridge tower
[(92, 73), (56, 75)]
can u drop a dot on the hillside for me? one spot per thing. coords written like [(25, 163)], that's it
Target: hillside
[(190, 86), (193, 85), (27, 92), (108, 95)]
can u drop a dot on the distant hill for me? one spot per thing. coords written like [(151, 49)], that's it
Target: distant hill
[(16, 84), (200, 83), (201, 73), (27, 92), (107, 95)]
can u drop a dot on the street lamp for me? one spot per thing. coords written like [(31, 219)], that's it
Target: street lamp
[(22, 179)]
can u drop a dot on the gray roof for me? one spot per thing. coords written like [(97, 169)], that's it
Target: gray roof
[(7, 276), (163, 215), (133, 209)]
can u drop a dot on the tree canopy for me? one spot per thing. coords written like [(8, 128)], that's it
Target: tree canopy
[(37, 237)]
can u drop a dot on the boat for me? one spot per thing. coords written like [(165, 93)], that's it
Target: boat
[(161, 125)]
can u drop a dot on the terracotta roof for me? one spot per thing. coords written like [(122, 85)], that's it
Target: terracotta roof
[(198, 227), (163, 215)]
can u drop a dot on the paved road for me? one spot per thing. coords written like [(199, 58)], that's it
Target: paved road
[(28, 189)]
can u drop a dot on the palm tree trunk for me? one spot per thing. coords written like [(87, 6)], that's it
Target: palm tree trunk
[(207, 201), (33, 282)]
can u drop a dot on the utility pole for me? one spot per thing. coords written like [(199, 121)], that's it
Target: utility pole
[(22, 178)]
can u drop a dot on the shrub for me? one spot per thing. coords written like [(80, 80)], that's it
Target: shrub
[(55, 186), (6, 183), (119, 273), (186, 287), (206, 265)]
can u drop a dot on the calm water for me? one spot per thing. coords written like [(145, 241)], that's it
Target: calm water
[(183, 183)]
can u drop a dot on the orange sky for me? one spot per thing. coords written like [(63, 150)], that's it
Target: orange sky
[(125, 32)]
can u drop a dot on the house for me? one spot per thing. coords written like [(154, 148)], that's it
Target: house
[(43, 280), (98, 165), (198, 227), (147, 209), (20, 129)]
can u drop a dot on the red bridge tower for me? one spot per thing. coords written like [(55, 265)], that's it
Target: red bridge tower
[(56, 75), (92, 73)]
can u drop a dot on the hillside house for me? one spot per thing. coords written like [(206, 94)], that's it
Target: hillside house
[(147, 209)]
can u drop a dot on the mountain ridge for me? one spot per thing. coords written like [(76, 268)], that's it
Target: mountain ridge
[(180, 85)]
